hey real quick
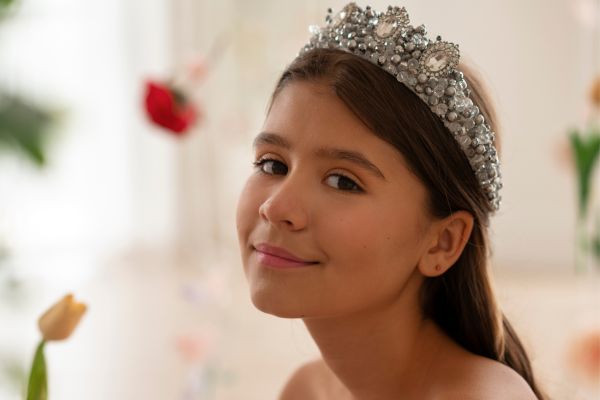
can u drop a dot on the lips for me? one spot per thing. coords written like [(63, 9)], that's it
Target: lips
[(281, 253)]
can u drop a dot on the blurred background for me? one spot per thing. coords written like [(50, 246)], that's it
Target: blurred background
[(133, 210)]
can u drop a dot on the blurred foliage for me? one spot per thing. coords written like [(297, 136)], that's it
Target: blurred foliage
[(586, 149), (14, 373), (6, 8), (24, 128)]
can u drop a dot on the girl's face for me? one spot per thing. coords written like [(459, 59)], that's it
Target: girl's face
[(331, 193)]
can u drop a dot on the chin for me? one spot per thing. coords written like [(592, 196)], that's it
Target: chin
[(273, 305)]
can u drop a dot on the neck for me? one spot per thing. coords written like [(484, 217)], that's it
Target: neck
[(384, 351)]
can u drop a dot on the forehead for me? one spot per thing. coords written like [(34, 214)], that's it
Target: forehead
[(313, 109), (309, 114), (313, 113)]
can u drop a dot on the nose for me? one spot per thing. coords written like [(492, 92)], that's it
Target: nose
[(286, 206)]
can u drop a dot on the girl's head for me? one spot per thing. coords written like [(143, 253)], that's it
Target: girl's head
[(358, 178), (360, 181)]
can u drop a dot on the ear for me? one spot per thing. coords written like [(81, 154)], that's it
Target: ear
[(447, 240)]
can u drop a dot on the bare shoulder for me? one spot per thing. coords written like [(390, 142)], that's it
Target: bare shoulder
[(483, 378), (307, 382)]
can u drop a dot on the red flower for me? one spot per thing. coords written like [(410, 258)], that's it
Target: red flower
[(168, 108)]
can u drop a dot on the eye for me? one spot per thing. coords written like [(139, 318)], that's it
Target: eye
[(343, 183), (270, 166)]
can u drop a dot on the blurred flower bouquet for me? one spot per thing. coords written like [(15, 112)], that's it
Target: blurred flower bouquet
[(585, 150)]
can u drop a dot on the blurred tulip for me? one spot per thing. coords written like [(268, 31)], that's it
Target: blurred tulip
[(194, 348), (584, 357), (59, 322)]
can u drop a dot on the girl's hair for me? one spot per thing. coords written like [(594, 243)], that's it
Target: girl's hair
[(461, 301)]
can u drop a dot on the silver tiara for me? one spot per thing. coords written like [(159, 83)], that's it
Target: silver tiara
[(426, 67)]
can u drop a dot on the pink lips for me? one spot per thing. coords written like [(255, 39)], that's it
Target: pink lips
[(279, 258)]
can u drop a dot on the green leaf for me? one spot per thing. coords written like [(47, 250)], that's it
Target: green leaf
[(37, 388), (24, 128), (585, 149), (5, 3)]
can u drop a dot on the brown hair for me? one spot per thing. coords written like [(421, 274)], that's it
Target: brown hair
[(461, 301)]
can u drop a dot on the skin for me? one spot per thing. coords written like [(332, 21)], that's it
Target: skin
[(373, 243)]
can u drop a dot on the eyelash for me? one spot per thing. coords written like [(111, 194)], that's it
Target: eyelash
[(259, 164)]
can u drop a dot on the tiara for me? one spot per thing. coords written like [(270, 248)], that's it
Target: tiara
[(426, 67)]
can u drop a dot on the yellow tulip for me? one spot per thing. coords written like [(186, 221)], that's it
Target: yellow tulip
[(59, 322)]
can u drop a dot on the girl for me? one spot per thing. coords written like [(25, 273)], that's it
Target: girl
[(367, 217)]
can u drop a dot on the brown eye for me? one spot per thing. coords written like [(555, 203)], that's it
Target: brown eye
[(271, 167), (342, 182)]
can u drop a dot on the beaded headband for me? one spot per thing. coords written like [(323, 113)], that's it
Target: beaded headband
[(426, 67)]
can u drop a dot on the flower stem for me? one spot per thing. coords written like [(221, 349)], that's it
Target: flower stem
[(37, 389)]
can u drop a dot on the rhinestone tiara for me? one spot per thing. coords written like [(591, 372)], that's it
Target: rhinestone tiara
[(427, 67)]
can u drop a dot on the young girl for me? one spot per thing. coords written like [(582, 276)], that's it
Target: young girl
[(367, 217)]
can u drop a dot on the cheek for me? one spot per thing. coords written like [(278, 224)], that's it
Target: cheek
[(372, 246), (247, 211)]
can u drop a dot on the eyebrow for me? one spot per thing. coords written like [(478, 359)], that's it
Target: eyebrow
[(323, 152)]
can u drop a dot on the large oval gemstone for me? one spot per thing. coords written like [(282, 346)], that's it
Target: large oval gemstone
[(386, 27), (437, 61)]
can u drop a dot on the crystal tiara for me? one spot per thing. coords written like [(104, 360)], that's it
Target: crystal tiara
[(426, 67)]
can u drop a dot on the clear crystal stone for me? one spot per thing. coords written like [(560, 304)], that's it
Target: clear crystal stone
[(403, 76), (440, 109), (468, 124), (438, 91), (452, 116), (386, 27), (413, 64), (442, 83), (477, 159), (460, 103), (437, 61), (454, 127), (417, 39), (464, 140)]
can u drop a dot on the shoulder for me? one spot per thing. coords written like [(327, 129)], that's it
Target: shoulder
[(483, 378), (305, 383)]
